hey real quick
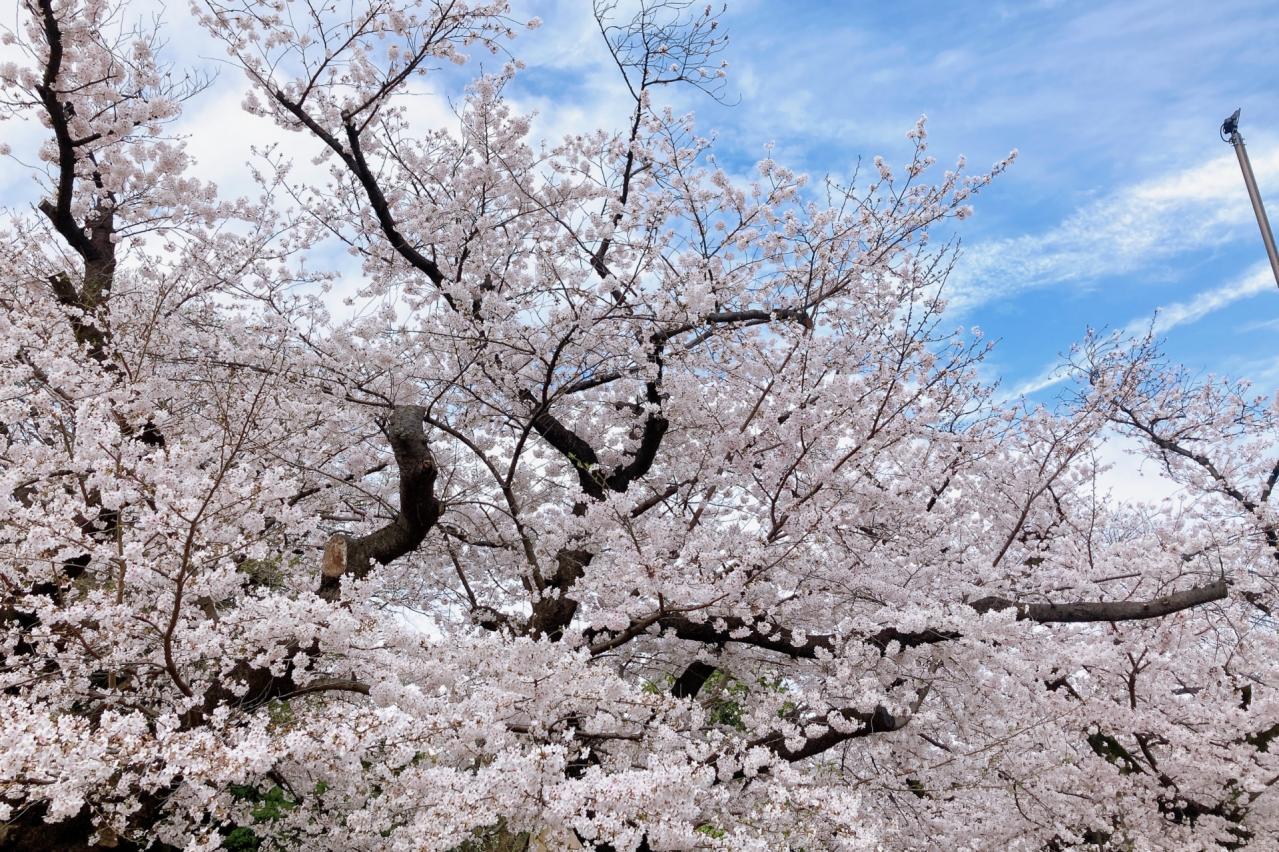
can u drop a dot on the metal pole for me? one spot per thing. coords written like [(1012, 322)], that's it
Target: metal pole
[(1230, 132)]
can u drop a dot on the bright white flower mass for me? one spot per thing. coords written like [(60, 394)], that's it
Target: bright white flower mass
[(722, 539)]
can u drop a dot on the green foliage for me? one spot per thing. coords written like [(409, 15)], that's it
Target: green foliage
[(241, 839), (652, 687), (263, 572), (280, 714), (711, 831), (725, 695), (266, 808), (273, 805), (243, 792), (776, 684), (591, 470)]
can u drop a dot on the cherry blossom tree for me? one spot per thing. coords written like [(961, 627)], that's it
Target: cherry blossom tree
[(722, 538)]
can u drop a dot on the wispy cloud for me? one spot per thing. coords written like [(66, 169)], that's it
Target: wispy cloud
[(1256, 280), (1135, 228), (1259, 278)]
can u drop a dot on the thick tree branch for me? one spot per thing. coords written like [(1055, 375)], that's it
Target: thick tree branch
[(93, 242), (1086, 611), (719, 630), (745, 316), (59, 211), (418, 512), (554, 611), (877, 721), (352, 155), (571, 446), (382, 209), (655, 426)]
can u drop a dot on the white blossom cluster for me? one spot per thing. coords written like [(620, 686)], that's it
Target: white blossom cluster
[(723, 540)]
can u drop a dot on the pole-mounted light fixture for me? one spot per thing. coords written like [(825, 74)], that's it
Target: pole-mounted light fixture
[(1230, 133)]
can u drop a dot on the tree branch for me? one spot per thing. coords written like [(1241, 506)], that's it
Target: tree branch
[(1111, 611), (875, 722), (719, 630), (419, 507)]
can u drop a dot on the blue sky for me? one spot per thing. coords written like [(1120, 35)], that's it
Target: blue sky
[(1123, 201)]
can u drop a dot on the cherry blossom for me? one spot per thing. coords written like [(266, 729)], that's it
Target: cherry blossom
[(641, 504)]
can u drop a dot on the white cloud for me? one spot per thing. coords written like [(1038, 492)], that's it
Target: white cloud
[(1054, 374), (1135, 228), (1256, 280), (1131, 476)]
